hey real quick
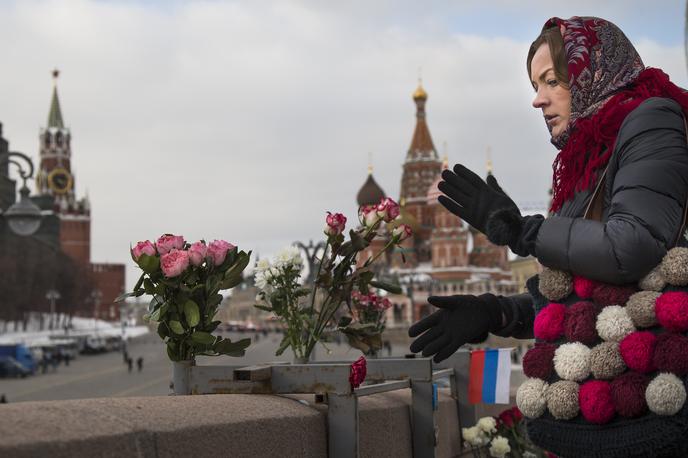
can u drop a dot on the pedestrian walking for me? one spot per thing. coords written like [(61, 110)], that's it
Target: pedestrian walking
[(604, 377), (125, 356), (130, 364), (3, 399), (139, 363)]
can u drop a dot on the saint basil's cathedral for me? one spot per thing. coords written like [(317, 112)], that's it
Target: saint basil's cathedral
[(445, 255)]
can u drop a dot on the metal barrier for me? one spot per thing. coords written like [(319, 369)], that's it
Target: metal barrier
[(329, 381)]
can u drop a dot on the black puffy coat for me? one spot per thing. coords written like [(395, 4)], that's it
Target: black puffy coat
[(645, 192)]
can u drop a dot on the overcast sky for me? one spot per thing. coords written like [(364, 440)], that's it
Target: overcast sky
[(249, 120)]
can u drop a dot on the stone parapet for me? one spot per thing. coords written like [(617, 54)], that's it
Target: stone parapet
[(211, 425)]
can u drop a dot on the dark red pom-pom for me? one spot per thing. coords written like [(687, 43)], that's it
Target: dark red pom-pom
[(637, 350), (584, 287), (671, 353), (595, 399), (604, 294), (579, 325), (671, 309), (549, 323), (537, 362), (628, 394)]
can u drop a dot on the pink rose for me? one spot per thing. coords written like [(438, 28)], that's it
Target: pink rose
[(217, 250), (197, 252), (367, 214), (169, 242), (334, 223), (174, 263), (402, 232), (143, 248), (358, 372), (383, 304), (387, 209)]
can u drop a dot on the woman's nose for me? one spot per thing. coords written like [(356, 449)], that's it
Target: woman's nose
[(540, 100)]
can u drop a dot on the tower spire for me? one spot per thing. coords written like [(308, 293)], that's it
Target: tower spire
[(55, 114), (489, 161), (370, 163)]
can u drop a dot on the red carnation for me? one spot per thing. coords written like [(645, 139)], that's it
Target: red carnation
[(604, 294), (671, 309), (584, 287), (537, 362), (671, 353), (637, 350), (628, 394), (580, 322), (595, 401), (549, 323), (358, 372)]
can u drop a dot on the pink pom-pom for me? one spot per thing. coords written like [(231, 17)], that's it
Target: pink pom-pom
[(579, 325), (637, 350), (549, 323), (604, 294), (584, 287), (671, 353), (595, 401), (628, 394), (671, 309), (537, 362)]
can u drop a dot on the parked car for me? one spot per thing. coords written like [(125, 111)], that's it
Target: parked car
[(21, 354), (10, 367)]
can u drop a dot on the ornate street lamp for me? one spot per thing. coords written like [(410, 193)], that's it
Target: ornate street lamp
[(311, 251), (23, 217)]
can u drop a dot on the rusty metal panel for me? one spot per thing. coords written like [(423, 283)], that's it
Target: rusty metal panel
[(422, 420), (311, 378), (253, 373), (399, 368), (220, 380)]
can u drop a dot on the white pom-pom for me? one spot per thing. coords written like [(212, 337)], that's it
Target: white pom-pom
[(674, 266), (562, 399), (614, 323), (530, 397), (641, 308), (654, 281), (665, 394), (572, 361)]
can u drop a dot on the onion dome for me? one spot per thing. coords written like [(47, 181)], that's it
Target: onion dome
[(420, 93), (433, 191), (405, 218), (371, 192)]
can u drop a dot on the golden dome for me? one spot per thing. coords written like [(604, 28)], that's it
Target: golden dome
[(420, 93)]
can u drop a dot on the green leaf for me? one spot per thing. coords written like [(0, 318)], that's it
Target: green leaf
[(344, 321), (231, 282), (282, 346), (160, 289), (204, 338), (139, 282), (163, 331), (229, 348), (155, 302), (214, 300), (241, 262), (263, 307), (176, 327), (358, 243), (172, 351), (149, 264), (392, 288), (212, 326), (191, 313), (148, 286), (121, 297)]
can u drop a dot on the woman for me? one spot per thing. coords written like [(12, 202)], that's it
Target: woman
[(619, 126)]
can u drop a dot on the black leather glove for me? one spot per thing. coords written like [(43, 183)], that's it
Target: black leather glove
[(472, 199), (459, 320)]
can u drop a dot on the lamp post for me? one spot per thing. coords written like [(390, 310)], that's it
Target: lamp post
[(96, 295), (23, 217), (311, 251), (52, 295)]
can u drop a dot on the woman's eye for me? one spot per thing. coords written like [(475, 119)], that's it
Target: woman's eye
[(552, 82)]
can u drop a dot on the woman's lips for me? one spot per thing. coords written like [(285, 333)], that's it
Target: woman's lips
[(551, 120)]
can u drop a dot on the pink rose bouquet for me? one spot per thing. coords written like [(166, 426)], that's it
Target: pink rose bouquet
[(334, 224), (184, 280)]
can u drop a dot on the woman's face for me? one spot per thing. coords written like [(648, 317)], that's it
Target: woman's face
[(550, 95)]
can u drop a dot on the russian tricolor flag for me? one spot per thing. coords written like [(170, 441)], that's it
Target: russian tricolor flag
[(490, 376)]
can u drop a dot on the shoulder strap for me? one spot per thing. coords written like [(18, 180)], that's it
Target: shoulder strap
[(595, 208)]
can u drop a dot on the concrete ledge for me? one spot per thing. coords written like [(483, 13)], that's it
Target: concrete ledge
[(212, 425)]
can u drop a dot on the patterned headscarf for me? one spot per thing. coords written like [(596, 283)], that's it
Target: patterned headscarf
[(607, 80)]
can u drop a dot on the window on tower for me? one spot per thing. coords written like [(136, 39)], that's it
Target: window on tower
[(58, 138), (46, 139)]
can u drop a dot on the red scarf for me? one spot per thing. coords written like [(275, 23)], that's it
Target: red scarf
[(607, 80)]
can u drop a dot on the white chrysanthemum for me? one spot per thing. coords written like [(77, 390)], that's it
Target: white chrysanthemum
[(262, 265), (530, 397), (665, 394), (289, 256), (572, 361), (614, 323), (488, 424), (474, 436), (499, 447), (261, 282)]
